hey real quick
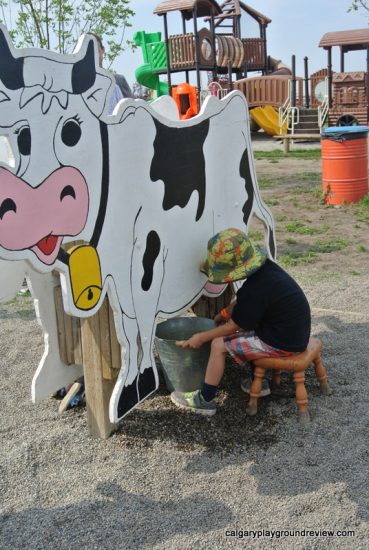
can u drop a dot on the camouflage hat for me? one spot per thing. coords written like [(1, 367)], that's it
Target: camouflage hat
[(231, 257)]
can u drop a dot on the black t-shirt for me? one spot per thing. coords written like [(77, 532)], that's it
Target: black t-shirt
[(273, 305)]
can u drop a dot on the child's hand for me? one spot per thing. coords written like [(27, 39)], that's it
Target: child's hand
[(196, 341), (219, 320)]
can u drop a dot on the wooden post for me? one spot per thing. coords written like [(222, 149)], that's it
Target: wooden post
[(367, 84), (98, 389), (342, 60), (197, 56), (184, 32), (293, 79), (213, 45), (166, 38), (307, 98), (330, 77)]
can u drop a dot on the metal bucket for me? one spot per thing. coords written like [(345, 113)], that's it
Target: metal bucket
[(183, 368)]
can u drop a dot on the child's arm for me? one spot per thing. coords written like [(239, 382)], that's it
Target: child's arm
[(225, 314), (198, 339)]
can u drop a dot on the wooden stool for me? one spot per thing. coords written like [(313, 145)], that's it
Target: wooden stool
[(296, 364)]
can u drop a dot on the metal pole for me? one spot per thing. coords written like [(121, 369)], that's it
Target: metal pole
[(293, 91), (330, 77), (307, 98), (167, 54)]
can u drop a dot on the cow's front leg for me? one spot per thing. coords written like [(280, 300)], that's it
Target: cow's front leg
[(125, 394)]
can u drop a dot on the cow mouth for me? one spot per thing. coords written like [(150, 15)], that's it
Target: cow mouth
[(47, 248), (48, 244)]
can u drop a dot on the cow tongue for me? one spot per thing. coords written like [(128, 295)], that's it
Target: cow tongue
[(47, 244)]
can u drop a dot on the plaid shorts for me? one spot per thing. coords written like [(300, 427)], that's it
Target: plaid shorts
[(246, 346)]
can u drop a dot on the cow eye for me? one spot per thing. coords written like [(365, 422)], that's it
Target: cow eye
[(71, 132), (24, 141)]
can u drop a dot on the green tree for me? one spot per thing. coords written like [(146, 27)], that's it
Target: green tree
[(357, 5), (57, 24)]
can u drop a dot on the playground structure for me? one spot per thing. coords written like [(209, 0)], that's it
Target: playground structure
[(279, 101), (221, 52), (344, 95)]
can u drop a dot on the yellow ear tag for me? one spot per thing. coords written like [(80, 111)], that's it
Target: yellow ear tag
[(85, 276)]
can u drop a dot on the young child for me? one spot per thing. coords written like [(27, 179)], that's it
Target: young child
[(269, 318)]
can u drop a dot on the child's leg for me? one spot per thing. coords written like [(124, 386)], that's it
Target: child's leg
[(216, 363)]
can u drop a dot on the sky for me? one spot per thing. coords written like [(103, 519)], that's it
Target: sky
[(296, 28)]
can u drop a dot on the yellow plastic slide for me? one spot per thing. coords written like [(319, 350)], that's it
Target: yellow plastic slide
[(267, 118)]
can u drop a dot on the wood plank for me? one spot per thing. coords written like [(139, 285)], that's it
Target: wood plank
[(69, 339), (98, 390), (116, 356), (59, 310), (77, 345), (105, 349)]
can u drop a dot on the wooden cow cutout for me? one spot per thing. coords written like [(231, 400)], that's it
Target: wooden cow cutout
[(143, 191)]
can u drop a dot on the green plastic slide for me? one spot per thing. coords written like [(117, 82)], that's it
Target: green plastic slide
[(154, 54)]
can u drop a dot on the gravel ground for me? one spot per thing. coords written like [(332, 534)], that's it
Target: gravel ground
[(167, 480)]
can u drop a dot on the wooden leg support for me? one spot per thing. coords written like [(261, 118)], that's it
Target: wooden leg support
[(276, 378), (255, 390), (98, 390), (322, 376), (301, 397)]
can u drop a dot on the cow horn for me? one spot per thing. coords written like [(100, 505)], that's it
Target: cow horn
[(84, 71), (11, 68)]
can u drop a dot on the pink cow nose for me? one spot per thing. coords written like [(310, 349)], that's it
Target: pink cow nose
[(38, 218)]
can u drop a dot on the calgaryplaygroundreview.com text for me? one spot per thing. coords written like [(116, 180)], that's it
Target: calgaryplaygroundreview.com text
[(280, 533)]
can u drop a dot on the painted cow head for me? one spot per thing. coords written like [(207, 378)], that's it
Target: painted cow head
[(51, 107)]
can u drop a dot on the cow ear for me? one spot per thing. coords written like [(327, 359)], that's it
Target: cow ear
[(96, 97)]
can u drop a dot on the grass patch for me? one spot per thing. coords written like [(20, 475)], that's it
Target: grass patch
[(312, 154), (281, 218), (294, 258), (271, 202), (310, 176), (362, 210), (301, 229), (265, 183), (256, 235), (362, 248), (289, 240), (324, 246)]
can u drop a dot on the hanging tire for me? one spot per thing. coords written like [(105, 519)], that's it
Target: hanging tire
[(347, 120), (219, 51), (239, 53)]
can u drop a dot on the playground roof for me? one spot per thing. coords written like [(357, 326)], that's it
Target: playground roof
[(204, 7), (255, 14), (357, 39)]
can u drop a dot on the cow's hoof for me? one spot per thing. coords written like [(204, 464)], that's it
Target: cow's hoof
[(128, 398), (146, 383)]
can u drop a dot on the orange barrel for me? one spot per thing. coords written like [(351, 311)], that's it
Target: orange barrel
[(345, 163)]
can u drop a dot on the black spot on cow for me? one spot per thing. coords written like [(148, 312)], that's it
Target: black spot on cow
[(245, 173), (151, 253), (179, 161)]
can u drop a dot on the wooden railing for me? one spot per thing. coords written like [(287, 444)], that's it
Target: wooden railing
[(254, 52), (182, 50), (268, 90)]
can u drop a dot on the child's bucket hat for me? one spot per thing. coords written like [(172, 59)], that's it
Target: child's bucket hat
[(231, 257)]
